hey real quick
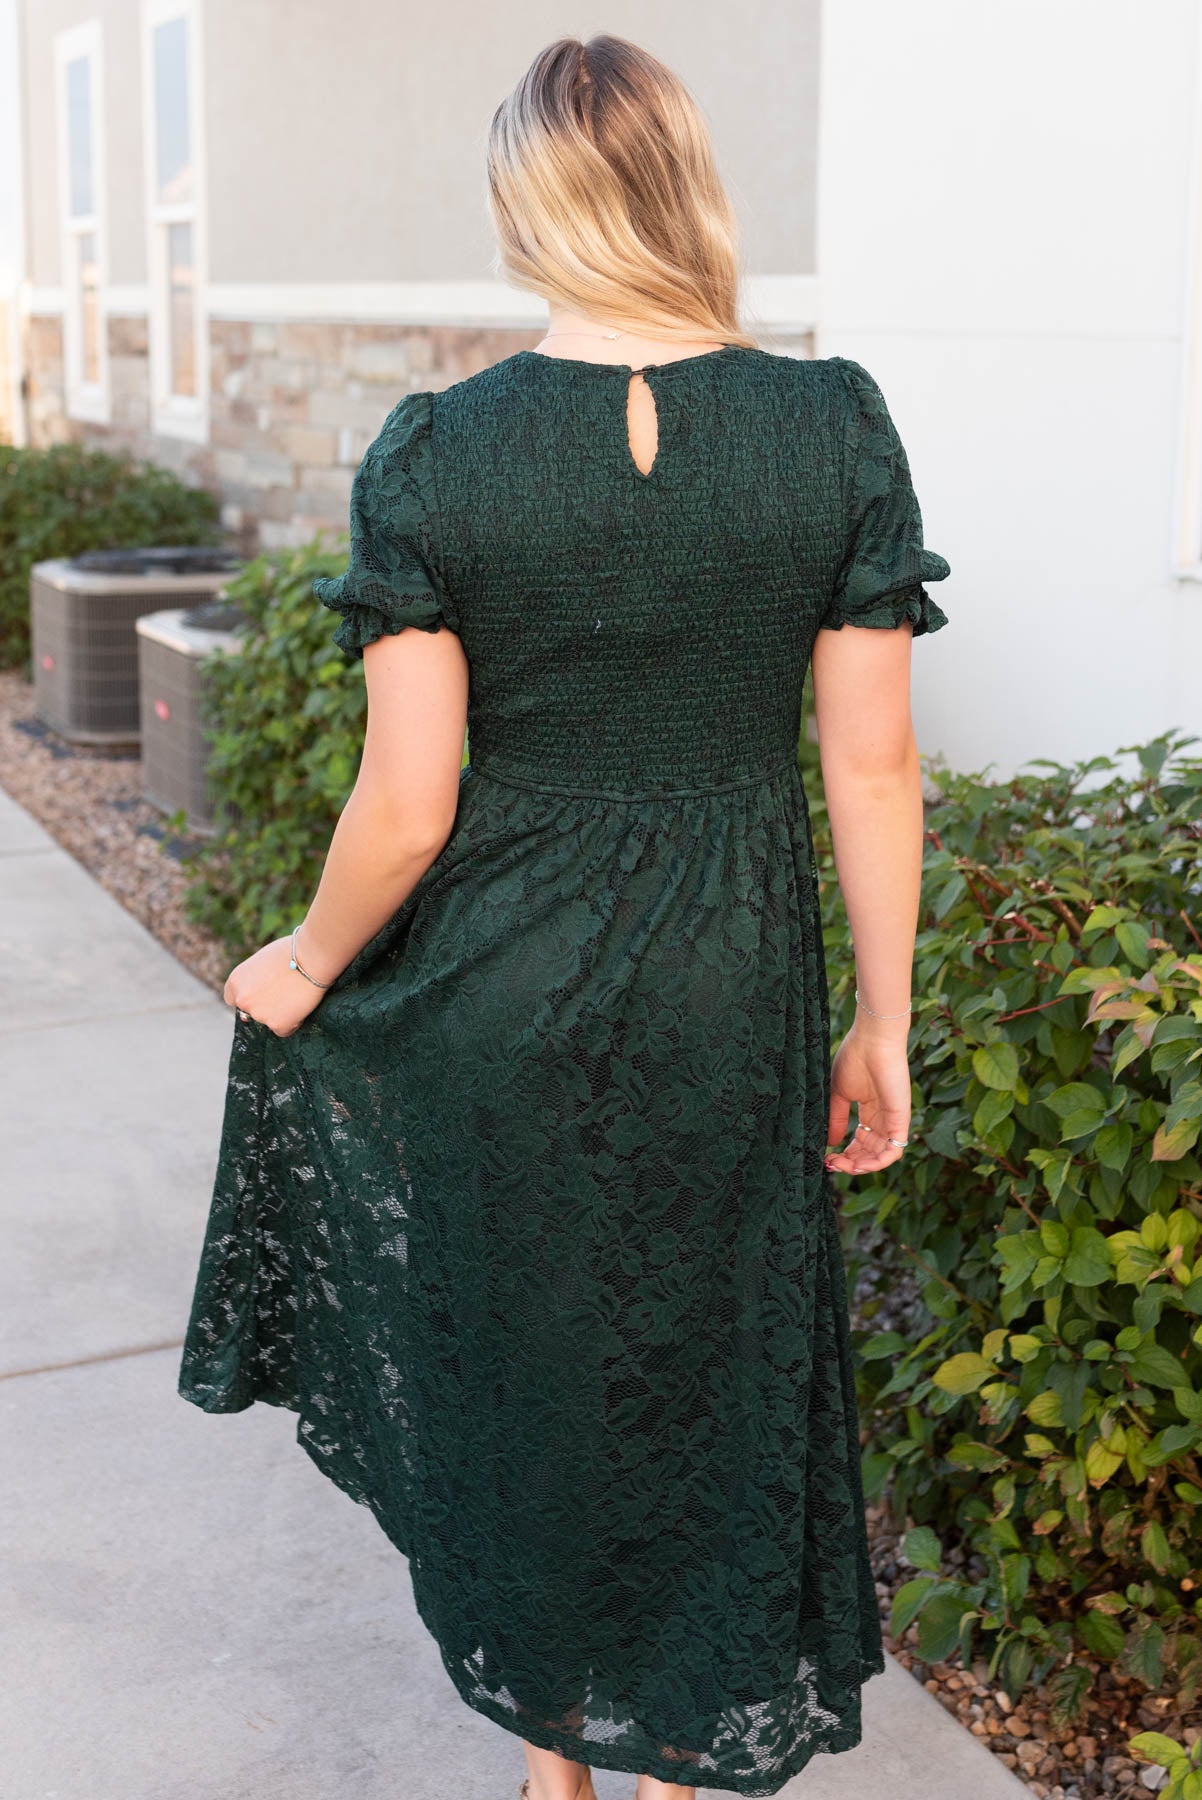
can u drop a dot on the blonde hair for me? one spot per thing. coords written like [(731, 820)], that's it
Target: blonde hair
[(605, 198)]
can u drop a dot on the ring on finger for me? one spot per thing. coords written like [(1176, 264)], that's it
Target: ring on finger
[(898, 1143)]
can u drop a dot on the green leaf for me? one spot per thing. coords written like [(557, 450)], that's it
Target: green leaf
[(1169, 1443), (922, 1548), (1103, 918), (952, 890), (1055, 1239), (995, 1106), (1155, 1747), (1128, 1047), (1016, 1578), (1154, 1544), (1101, 1463), (1158, 1367), (1144, 1653), (1133, 941), (939, 1625), (1146, 1312), (1073, 1097), (1017, 1659), (1112, 1604), (1070, 1381), (1019, 1254), (1170, 1144), (1056, 1165), (1183, 1230), (1105, 1637), (963, 1374), (1112, 1146), (1186, 1103), (908, 1603), (966, 1454), (995, 1065), (1045, 1410), (1088, 1260), (1078, 1125)]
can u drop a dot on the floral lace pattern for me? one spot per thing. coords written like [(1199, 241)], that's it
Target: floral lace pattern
[(391, 577), (528, 1223)]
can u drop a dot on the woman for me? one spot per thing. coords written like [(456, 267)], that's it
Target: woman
[(522, 1203)]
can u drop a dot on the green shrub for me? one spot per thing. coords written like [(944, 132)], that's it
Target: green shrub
[(61, 501), (1040, 1408), (286, 718)]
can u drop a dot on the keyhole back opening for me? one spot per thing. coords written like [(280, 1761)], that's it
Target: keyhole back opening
[(642, 425)]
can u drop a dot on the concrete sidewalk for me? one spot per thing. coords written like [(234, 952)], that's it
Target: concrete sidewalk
[(194, 1612)]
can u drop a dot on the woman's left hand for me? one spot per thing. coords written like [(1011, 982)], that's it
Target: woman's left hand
[(272, 993)]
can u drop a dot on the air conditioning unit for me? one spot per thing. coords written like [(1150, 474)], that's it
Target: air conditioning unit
[(173, 692), (83, 611)]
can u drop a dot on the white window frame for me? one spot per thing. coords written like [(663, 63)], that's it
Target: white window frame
[(175, 415), (1187, 550), (90, 401)]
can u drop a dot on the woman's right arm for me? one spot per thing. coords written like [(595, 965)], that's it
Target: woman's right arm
[(873, 785)]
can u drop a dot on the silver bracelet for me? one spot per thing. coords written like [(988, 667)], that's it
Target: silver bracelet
[(293, 964), (877, 1015)]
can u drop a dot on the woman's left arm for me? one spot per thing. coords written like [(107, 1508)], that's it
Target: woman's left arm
[(395, 824)]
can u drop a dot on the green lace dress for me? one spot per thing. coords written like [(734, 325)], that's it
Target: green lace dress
[(529, 1222)]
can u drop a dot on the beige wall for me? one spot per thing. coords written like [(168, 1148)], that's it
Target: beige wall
[(342, 144), (122, 112), (345, 138), (346, 141)]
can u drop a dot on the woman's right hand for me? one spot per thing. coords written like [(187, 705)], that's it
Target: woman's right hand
[(871, 1070)]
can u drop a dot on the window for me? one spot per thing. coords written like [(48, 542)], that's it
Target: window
[(1187, 549), (78, 87), (178, 330)]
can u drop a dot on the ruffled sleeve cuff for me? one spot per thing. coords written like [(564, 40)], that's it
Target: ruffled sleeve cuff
[(393, 577), (881, 576)]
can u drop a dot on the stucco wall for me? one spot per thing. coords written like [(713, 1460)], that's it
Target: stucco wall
[(345, 139), (1003, 240)]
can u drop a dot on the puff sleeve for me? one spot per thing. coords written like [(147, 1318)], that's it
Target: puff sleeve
[(393, 576), (879, 578)]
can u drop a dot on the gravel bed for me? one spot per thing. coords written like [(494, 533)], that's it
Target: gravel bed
[(1082, 1761), (91, 802)]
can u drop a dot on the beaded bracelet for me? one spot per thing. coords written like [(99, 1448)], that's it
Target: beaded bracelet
[(877, 1015)]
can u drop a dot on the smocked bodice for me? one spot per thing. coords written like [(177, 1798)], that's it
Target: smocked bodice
[(635, 632)]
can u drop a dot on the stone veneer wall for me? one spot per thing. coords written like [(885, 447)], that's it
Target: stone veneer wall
[(292, 408), (45, 404)]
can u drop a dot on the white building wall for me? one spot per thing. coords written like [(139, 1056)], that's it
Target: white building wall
[(12, 252), (1004, 237)]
